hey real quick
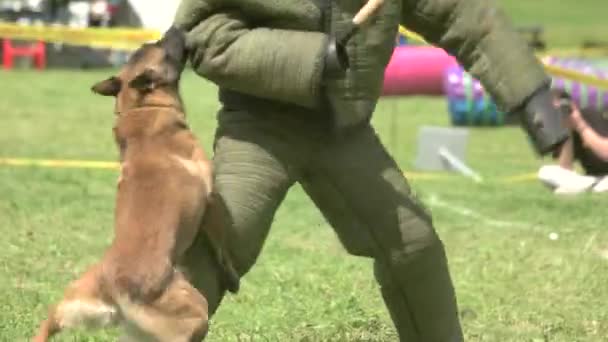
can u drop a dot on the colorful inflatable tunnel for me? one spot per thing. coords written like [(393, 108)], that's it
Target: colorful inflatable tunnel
[(585, 96), (470, 105), (416, 70)]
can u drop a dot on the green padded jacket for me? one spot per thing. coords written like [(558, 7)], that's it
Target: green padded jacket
[(273, 49)]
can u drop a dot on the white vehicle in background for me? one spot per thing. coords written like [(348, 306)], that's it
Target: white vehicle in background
[(155, 17)]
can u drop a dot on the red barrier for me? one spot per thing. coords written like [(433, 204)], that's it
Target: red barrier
[(37, 51)]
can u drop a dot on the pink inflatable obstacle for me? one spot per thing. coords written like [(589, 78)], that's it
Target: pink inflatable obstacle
[(416, 70)]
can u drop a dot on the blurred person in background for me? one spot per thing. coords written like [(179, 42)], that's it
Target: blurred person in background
[(588, 144), (100, 13)]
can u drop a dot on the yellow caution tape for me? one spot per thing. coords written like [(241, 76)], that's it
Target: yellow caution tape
[(89, 164), (577, 76), (581, 52), (130, 39), (106, 165), (124, 38), (411, 35), (425, 175), (520, 178), (78, 164), (120, 39)]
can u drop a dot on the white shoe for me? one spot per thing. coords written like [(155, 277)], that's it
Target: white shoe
[(601, 185), (565, 181), (547, 175), (565, 190)]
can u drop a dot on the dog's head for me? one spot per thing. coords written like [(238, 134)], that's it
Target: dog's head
[(151, 75)]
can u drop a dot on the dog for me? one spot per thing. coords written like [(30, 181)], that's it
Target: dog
[(164, 188)]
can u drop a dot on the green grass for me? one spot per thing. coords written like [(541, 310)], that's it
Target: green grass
[(513, 282), (566, 23)]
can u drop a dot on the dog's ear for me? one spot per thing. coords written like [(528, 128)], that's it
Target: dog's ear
[(109, 87), (148, 80)]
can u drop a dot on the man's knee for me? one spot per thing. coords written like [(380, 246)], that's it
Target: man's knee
[(416, 229), (410, 237), (217, 271), (399, 222), (243, 261), (410, 264), (415, 238)]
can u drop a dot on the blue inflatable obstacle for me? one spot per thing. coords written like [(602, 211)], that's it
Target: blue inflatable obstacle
[(468, 103)]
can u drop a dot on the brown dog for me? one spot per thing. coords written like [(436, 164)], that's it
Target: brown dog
[(164, 188)]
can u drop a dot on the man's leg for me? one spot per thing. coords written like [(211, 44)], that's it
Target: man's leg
[(566, 155), (365, 197), (251, 179)]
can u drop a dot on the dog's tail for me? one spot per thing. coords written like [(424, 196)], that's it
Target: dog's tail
[(231, 279), (215, 226)]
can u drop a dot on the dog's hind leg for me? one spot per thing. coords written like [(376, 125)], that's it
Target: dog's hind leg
[(178, 315), (82, 304)]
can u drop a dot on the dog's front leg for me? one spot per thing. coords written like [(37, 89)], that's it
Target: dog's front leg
[(81, 305), (47, 329)]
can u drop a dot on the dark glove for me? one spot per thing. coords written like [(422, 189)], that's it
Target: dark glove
[(542, 120)]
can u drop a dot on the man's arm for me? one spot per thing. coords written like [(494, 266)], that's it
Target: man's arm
[(191, 12), (481, 36), (275, 64), (594, 141), (484, 41)]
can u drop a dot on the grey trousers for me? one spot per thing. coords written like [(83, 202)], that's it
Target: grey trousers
[(361, 192)]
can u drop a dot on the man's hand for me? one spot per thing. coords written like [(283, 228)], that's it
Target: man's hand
[(336, 58), (543, 121), (575, 120)]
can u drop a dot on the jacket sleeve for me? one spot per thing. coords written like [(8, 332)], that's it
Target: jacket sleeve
[(275, 64), (482, 38)]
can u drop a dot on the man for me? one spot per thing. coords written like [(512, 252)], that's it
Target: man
[(296, 108), (588, 143)]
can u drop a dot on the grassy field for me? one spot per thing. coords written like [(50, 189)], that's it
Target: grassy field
[(565, 23), (514, 283)]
